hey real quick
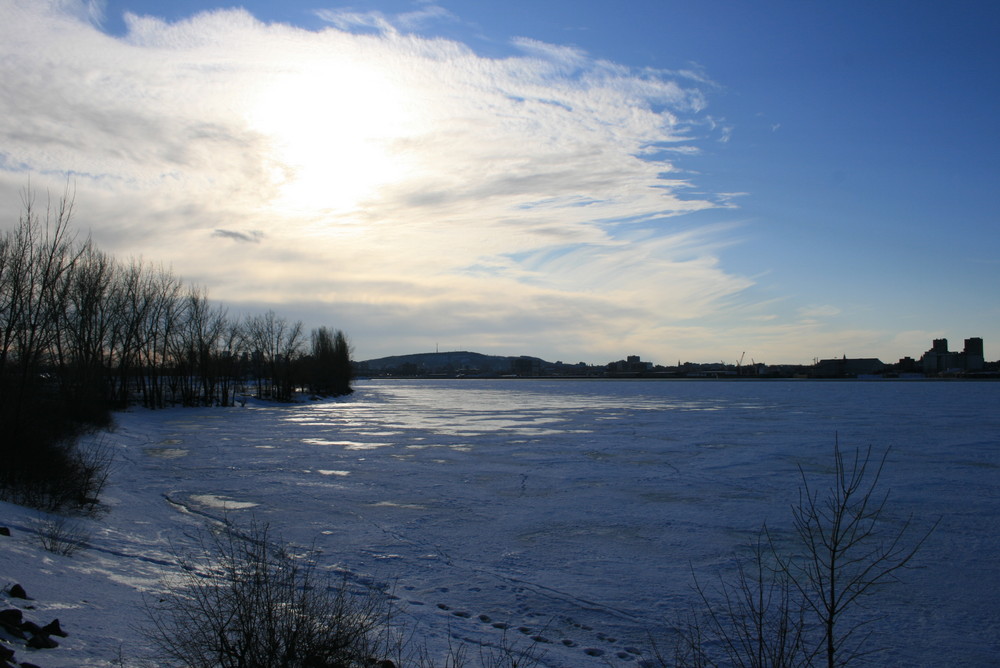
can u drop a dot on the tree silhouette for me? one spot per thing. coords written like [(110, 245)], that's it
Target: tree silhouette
[(799, 604), (330, 363)]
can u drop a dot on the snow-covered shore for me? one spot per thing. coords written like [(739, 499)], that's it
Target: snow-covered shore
[(568, 511)]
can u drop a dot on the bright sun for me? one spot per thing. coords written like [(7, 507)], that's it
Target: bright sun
[(331, 129)]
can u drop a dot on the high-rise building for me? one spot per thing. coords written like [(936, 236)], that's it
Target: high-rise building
[(973, 354), (939, 360), (974, 346)]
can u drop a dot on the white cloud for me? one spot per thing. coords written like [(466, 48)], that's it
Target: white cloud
[(84, 10), (378, 172)]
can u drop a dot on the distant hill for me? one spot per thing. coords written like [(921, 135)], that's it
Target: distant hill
[(448, 363)]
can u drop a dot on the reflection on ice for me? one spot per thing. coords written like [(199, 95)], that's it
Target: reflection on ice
[(361, 445), (347, 445), (318, 441), (392, 504)]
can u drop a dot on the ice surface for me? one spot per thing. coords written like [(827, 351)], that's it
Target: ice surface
[(571, 512)]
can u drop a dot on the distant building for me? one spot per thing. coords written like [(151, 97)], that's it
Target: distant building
[(526, 366), (632, 364), (974, 360), (847, 368), (940, 360)]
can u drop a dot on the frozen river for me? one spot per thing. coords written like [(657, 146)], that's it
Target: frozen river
[(575, 511)]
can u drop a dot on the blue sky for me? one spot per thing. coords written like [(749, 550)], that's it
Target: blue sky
[(576, 180)]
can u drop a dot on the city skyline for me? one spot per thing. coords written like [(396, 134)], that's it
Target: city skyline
[(938, 358), (569, 180)]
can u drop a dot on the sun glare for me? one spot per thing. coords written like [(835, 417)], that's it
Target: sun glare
[(331, 129)]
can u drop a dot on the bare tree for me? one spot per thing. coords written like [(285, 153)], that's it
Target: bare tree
[(37, 260), (803, 606), (230, 361), (200, 348), (850, 550), (160, 330), (273, 344), (40, 257), (135, 297), (755, 619), (82, 335)]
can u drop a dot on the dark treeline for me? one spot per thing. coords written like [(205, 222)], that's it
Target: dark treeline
[(83, 333)]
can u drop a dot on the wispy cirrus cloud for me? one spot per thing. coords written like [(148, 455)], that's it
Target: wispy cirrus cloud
[(819, 311), (349, 20), (507, 198)]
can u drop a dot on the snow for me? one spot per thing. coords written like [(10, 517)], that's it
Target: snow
[(572, 511)]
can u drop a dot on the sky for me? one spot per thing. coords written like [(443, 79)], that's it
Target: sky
[(580, 181)]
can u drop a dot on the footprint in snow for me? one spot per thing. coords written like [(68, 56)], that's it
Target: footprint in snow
[(626, 653)]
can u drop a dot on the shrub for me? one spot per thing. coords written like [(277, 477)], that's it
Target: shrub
[(249, 602), (59, 535), (54, 474)]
